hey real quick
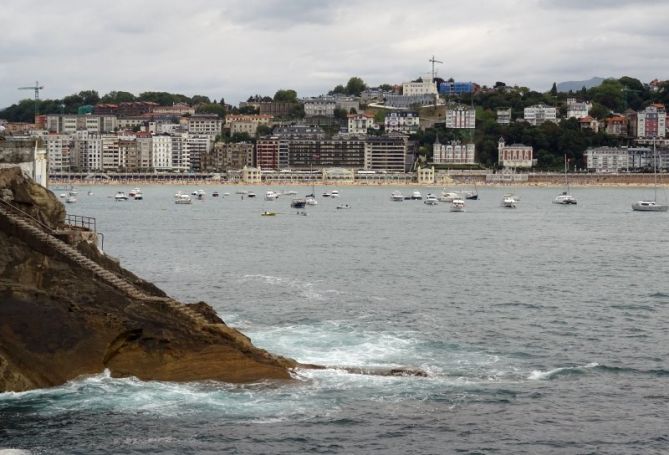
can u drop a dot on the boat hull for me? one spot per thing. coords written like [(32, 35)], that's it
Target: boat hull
[(643, 206)]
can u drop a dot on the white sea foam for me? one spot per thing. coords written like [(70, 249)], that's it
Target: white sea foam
[(14, 452), (540, 375), (305, 289)]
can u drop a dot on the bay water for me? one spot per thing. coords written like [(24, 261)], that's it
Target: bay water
[(543, 329)]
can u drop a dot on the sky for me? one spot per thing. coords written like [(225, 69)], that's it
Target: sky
[(237, 48)]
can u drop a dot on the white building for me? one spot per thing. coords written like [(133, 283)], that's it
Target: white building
[(460, 116), (540, 113), (58, 149), (319, 107), (402, 122), (453, 153), (88, 151), (161, 152), (576, 109), (504, 116), (425, 86), (207, 124), (197, 147), (515, 155), (360, 123), (607, 159)]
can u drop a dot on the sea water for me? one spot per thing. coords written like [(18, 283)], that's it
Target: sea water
[(543, 329)]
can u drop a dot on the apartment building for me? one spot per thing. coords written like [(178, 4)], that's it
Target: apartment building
[(226, 156), (387, 153), (205, 124), (540, 113), (460, 116), (453, 153), (402, 122), (650, 123)]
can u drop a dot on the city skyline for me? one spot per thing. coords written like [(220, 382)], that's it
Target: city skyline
[(236, 49)]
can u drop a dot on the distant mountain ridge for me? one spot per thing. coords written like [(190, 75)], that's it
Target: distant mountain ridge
[(578, 85)]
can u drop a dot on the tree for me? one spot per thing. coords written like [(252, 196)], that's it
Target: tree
[(115, 97), (340, 113), (240, 137), (338, 90), (263, 130), (386, 87), (200, 99), (355, 86), (289, 96), (554, 90), (211, 108)]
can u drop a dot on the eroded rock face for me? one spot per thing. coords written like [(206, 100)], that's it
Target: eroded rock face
[(31, 197), (58, 321)]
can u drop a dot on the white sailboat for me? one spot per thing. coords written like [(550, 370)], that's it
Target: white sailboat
[(651, 206), (565, 198)]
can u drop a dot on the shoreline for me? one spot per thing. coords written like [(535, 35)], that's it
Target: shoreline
[(599, 184)]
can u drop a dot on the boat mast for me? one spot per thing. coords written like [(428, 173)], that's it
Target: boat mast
[(654, 173)]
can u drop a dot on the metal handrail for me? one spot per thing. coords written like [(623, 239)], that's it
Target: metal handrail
[(86, 222)]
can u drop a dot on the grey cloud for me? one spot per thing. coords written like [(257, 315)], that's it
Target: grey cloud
[(281, 14)]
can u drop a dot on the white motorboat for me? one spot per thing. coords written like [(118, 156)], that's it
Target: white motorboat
[(449, 196), (182, 199), (334, 193), (565, 198), (120, 196), (416, 196), (457, 205), (311, 201), (397, 196), (431, 199), (326, 194), (134, 191), (63, 195), (651, 206), (510, 201), (71, 199), (271, 196), (139, 196)]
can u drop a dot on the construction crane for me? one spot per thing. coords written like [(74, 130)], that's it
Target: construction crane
[(36, 88), (433, 61)]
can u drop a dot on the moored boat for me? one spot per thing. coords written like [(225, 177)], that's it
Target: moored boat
[(298, 203), (397, 196), (509, 201), (457, 205), (120, 196), (416, 196), (431, 199)]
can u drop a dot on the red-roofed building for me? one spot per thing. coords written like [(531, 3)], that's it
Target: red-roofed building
[(616, 125)]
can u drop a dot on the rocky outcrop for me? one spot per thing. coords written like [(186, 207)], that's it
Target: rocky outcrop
[(67, 310)]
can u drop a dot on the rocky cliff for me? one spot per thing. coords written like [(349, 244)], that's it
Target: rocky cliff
[(67, 310)]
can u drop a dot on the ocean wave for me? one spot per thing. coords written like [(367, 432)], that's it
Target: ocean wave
[(543, 375)]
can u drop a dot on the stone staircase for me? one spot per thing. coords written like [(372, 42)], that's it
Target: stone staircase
[(39, 231)]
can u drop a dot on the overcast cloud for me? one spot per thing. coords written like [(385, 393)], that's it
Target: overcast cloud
[(236, 48)]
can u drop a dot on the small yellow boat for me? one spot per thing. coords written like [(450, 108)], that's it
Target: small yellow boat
[(268, 213)]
